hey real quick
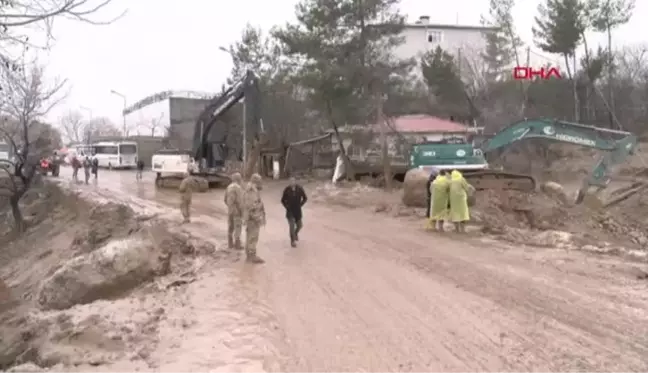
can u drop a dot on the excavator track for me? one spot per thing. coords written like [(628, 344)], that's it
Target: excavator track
[(500, 180)]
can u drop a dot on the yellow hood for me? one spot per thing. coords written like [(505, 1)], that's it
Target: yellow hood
[(440, 178)]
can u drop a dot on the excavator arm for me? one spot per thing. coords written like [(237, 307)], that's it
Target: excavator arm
[(210, 147), (617, 145)]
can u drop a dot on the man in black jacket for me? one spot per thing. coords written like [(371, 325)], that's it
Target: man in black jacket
[(433, 174), (293, 199)]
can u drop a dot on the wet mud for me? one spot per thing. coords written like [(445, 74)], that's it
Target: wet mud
[(365, 292)]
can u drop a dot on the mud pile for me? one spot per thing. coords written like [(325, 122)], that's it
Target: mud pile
[(68, 282), (543, 220), (496, 210)]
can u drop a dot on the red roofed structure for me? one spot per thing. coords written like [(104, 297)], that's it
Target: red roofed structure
[(422, 124), (403, 131)]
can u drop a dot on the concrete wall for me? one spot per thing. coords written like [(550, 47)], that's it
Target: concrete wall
[(184, 113)]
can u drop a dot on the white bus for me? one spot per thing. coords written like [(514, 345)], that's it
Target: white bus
[(116, 154), (5, 151), (6, 158)]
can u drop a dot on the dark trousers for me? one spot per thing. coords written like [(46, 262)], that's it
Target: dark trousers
[(294, 226), (429, 202)]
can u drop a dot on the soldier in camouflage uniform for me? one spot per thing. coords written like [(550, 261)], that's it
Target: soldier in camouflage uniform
[(186, 190), (255, 217), (234, 196)]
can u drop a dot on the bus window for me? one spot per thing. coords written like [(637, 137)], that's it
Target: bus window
[(127, 149), (106, 149)]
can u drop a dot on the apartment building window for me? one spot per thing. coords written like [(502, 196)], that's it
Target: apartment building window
[(434, 36)]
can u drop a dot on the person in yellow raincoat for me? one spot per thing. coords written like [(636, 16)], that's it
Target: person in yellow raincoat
[(439, 190), (459, 191)]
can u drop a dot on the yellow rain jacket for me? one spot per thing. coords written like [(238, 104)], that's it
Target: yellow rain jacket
[(459, 190), (439, 201)]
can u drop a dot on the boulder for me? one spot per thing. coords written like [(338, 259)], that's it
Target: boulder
[(109, 271), (414, 188), (556, 191)]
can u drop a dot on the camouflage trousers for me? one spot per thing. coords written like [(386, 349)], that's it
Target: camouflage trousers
[(252, 230), (185, 206), (234, 228)]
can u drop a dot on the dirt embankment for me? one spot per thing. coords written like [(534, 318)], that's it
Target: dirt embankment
[(537, 219), (79, 287)]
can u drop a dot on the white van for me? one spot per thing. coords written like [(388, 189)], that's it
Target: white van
[(116, 154)]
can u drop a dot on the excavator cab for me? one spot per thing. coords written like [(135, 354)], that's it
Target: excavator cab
[(213, 157)]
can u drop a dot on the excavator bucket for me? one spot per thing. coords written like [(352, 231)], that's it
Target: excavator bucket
[(593, 201)]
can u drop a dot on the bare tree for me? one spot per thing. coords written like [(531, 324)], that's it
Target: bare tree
[(24, 99), (100, 127), (16, 15), (73, 126), (128, 129), (153, 126)]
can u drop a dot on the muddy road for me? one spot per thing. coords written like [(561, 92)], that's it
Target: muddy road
[(364, 292)]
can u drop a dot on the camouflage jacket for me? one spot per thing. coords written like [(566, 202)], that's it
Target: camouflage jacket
[(234, 199), (255, 210), (188, 185)]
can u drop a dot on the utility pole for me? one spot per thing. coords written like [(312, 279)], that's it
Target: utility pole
[(382, 124), (524, 86), (88, 129), (244, 144), (575, 91), (123, 111), (610, 72)]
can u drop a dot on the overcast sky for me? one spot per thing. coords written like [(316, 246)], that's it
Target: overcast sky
[(173, 44)]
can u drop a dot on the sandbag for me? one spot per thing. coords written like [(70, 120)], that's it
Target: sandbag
[(415, 188)]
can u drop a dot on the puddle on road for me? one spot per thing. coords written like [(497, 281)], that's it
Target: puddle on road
[(217, 324)]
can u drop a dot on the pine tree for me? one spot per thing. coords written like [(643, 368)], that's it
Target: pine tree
[(502, 42), (343, 47), (605, 15), (442, 77), (559, 26), (559, 29), (261, 53)]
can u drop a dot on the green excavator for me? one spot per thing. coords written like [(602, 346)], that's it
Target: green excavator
[(473, 163)]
